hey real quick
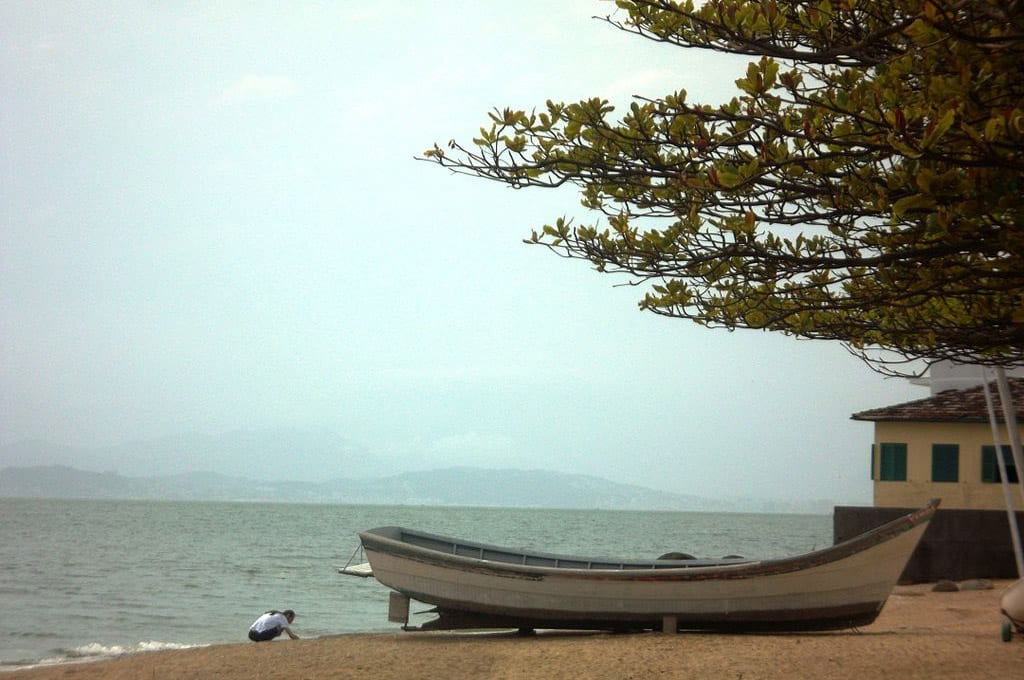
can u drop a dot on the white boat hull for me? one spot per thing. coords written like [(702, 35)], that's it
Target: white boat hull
[(1012, 603)]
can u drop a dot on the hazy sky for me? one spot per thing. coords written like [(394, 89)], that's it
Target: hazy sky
[(211, 219)]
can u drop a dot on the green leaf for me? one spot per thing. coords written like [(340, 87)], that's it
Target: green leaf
[(912, 203), (941, 127)]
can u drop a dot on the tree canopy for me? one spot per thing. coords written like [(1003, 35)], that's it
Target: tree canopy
[(864, 184)]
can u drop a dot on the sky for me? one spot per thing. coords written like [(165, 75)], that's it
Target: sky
[(212, 219)]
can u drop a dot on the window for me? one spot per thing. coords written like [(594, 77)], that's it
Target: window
[(990, 465), (945, 463), (892, 463)]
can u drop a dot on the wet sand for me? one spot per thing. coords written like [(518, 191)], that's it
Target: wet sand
[(919, 634)]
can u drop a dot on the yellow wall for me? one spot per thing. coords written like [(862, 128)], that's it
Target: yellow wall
[(969, 492)]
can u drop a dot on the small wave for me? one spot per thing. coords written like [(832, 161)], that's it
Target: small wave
[(35, 635), (95, 651)]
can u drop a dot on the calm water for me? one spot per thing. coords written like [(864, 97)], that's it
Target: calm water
[(95, 578)]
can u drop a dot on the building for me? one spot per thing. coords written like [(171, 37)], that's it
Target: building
[(942, 447), (949, 375)]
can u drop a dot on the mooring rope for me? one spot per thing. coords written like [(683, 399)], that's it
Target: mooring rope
[(359, 551)]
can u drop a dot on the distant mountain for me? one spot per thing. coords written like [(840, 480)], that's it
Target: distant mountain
[(451, 486), (257, 454), (509, 488)]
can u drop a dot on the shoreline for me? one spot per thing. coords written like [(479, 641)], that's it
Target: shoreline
[(920, 633)]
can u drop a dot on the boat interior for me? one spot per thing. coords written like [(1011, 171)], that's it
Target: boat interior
[(492, 553)]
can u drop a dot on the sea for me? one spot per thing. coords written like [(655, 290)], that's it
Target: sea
[(89, 579)]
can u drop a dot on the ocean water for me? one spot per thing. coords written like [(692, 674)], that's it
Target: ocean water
[(84, 579)]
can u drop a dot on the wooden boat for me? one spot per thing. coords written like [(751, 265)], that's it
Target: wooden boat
[(474, 585), (1011, 605)]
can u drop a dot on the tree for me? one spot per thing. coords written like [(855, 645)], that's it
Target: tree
[(865, 184)]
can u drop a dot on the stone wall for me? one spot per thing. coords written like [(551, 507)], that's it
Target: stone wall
[(958, 545)]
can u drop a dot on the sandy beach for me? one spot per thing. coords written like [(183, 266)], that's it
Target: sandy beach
[(920, 634)]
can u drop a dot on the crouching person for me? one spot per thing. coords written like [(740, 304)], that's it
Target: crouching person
[(271, 624)]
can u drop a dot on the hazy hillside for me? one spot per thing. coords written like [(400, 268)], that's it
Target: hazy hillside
[(255, 454), (451, 486)]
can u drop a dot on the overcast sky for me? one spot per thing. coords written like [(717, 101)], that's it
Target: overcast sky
[(211, 220)]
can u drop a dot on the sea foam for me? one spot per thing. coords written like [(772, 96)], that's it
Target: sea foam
[(95, 651)]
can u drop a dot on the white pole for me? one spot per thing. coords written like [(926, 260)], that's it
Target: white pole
[(1010, 417), (1011, 516)]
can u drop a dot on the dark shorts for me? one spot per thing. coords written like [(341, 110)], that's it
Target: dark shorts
[(266, 635)]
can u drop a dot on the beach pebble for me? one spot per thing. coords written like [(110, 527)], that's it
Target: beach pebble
[(977, 584)]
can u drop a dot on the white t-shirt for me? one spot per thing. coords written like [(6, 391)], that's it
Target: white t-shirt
[(270, 621)]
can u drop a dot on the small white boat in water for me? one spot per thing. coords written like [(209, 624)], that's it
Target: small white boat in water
[(475, 585)]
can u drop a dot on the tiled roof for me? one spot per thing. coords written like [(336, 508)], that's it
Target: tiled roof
[(954, 406)]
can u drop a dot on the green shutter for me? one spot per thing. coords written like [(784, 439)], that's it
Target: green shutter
[(892, 462), (945, 463), (990, 465)]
